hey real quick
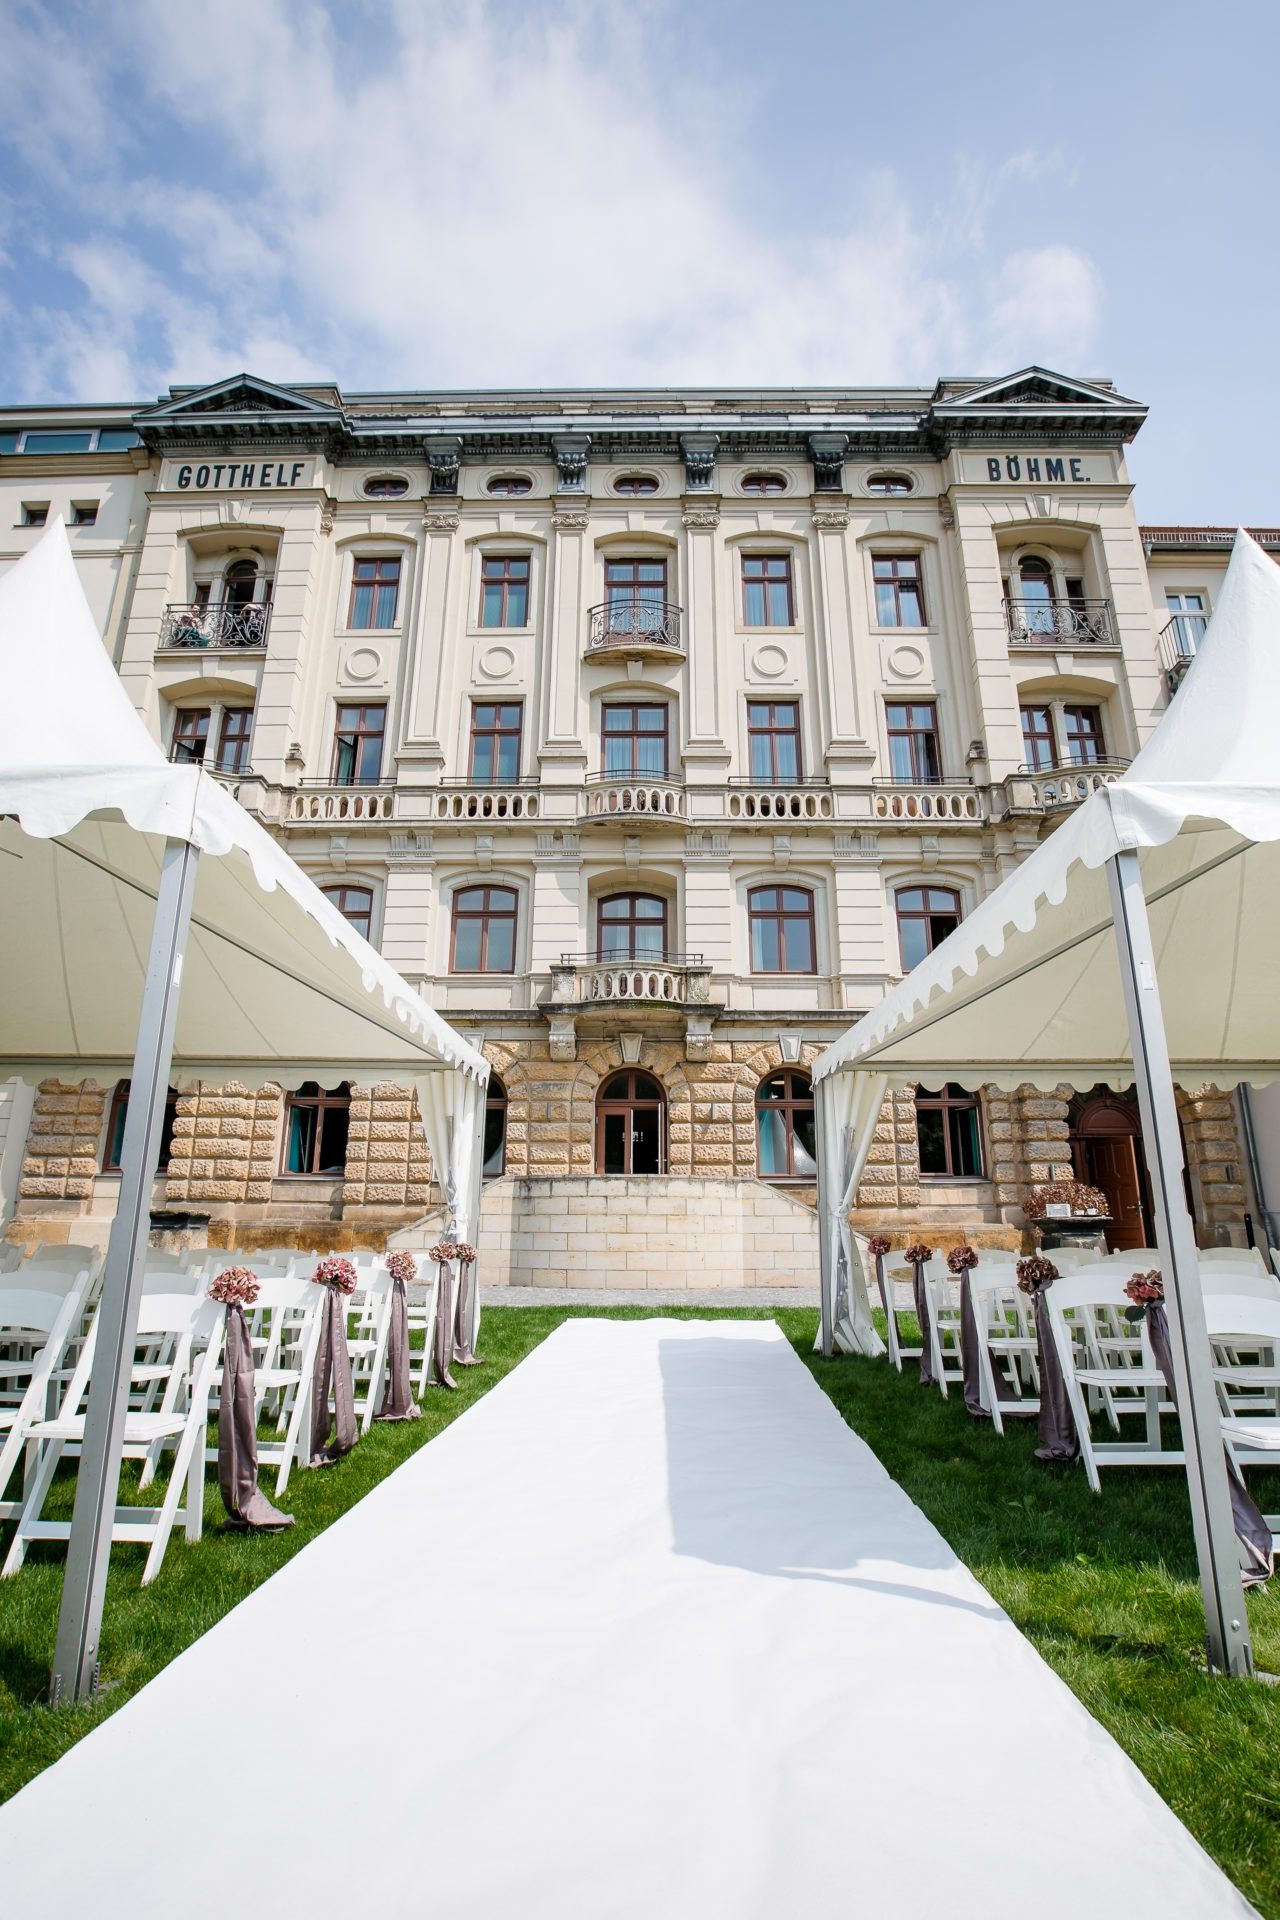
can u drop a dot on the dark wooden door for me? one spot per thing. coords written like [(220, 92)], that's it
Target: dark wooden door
[(1113, 1166)]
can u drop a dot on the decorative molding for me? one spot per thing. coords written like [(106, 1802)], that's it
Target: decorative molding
[(631, 1044), (697, 1036), (631, 851), (338, 852), (929, 851), (444, 457), (484, 851), (699, 451), (414, 850), (556, 849), (789, 1046), (702, 846), (326, 515), (701, 516), (441, 519), (570, 451), (570, 519), (947, 513), (827, 451), (858, 846), (782, 851), (830, 516), (563, 1043)]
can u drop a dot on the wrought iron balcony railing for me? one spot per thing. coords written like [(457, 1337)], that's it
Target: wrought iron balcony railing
[(222, 626), (635, 623), (1180, 643), (1075, 623)]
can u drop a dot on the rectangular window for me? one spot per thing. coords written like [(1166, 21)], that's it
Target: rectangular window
[(1084, 735), (190, 736), (317, 1122), (766, 590), (773, 731), (57, 443), (35, 513), (357, 746), (1188, 622), (634, 740), (949, 1134), (115, 1129), (782, 934), (84, 513), (899, 590), (1037, 738), (913, 743), (504, 592), (926, 915), (484, 930), (630, 581), (495, 744), (375, 593), (354, 904), (233, 739)]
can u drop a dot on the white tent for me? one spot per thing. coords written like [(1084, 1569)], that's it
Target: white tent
[(1162, 890), (240, 966)]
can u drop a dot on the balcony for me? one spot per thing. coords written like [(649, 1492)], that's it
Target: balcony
[(942, 801), (242, 627), (677, 980), (1060, 623), (516, 801), (635, 627), (1055, 789), (757, 800), (1179, 645), (325, 804), (645, 800)]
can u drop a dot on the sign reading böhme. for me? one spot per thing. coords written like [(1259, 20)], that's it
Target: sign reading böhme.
[(1038, 467), (239, 475)]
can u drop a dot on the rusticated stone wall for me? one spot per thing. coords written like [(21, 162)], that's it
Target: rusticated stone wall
[(388, 1163), (1214, 1151), (62, 1157), (225, 1143)]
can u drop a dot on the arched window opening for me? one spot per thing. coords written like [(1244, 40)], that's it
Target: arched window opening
[(926, 915), (949, 1133), (316, 1123), (785, 1138), (115, 1128), (631, 926), (354, 904), (240, 581), (495, 1129), (631, 1124)]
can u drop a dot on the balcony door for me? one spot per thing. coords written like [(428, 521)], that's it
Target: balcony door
[(636, 594), (631, 1124)]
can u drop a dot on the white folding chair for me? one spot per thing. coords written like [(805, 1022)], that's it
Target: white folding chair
[(284, 1328), (35, 1329), (1232, 1257), (181, 1323), (1246, 1282), (1007, 1343), (69, 1256), (1119, 1367), (367, 1342), (422, 1301)]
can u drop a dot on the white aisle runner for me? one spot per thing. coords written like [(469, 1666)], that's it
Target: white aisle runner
[(648, 1634)]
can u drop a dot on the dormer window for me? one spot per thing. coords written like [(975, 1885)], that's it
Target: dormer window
[(386, 486), (764, 483), (511, 484), (635, 484), (889, 483)]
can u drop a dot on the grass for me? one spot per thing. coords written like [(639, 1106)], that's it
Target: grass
[(1105, 1587)]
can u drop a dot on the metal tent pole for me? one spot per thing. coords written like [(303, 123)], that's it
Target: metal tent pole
[(75, 1660), (477, 1193), (1217, 1550), (826, 1252)]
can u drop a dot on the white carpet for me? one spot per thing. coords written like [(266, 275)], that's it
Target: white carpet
[(648, 1634)]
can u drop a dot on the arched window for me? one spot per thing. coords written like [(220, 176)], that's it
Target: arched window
[(354, 904), (115, 1128), (782, 936), (240, 581), (316, 1121), (635, 483), (631, 926), (495, 1129), (631, 1124), (484, 930), (764, 483), (1035, 594), (785, 1127), (926, 915)]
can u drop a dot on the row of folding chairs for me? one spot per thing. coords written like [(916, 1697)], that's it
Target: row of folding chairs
[(48, 1340)]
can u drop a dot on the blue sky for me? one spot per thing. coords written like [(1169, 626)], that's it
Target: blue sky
[(535, 193)]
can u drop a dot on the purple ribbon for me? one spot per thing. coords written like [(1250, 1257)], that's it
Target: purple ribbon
[(246, 1505)]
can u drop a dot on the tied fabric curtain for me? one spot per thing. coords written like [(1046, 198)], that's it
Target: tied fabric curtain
[(246, 1504), (851, 1109), (452, 1109)]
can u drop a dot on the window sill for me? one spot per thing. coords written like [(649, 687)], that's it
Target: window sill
[(751, 631), (482, 633), (931, 630), (955, 1180), (362, 633)]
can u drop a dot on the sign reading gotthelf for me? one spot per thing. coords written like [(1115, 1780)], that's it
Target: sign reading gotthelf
[(239, 475)]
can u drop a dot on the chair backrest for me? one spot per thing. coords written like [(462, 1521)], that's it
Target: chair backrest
[(60, 1280), (11, 1257), (29, 1310), (179, 1313), (1237, 1280), (992, 1276), (158, 1262), (71, 1256), (1132, 1259), (171, 1280), (1232, 1257), (1099, 1286), (1232, 1314), (1070, 1259)]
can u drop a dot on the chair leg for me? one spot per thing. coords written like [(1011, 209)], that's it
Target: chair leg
[(32, 1508)]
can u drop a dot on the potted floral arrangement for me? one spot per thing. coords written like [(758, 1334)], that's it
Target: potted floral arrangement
[(1069, 1213)]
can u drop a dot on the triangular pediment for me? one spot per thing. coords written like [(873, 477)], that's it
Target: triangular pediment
[(241, 394), (1037, 387)]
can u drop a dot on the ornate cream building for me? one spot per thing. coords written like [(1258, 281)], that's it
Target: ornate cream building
[(652, 733)]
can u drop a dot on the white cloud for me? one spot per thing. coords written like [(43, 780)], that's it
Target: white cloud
[(482, 195)]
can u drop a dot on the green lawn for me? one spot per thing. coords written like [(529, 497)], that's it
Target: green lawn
[(1104, 1587)]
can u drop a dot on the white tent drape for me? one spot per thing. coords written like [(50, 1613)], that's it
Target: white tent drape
[(851, 1104), (452, 1109)]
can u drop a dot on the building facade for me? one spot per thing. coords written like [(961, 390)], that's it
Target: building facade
[(652, 734)]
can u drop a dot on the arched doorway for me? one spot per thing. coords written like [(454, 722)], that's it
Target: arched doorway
[(1106, 1150), (631, 1124), (495, 1129)]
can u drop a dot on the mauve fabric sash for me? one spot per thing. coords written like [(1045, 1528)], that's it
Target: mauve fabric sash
[(442, 1350), (1251, 1528), (333, 1364), (398, 1401), (921, 1289), (969, 1356), (238, 1432), (1058, 1437), (463, 1353)]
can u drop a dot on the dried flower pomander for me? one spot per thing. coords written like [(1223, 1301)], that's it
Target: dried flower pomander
[(235, 1287), (452, 1250), (1066, 1193), (1145, 1289), (961, 1258), (878, 1245), (1035, 1272), (465, 1252), (918, 1255), (333, 1271), (402, 1266)]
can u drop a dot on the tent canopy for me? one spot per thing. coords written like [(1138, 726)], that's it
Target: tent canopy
[(1027, 989), (277, 985)]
